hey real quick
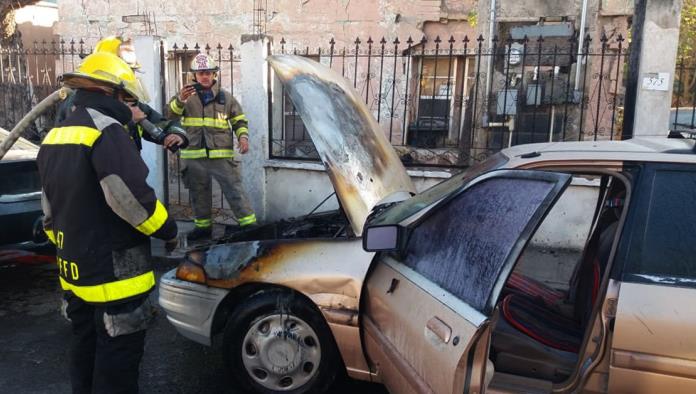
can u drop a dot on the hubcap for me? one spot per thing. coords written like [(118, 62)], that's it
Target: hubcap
[(281, 352)]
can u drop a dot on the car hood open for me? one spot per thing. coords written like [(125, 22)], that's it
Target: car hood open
[(362, 165)]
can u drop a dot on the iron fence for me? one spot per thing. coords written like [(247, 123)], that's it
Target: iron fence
[(28, 75), (456, 101), (683, 112)]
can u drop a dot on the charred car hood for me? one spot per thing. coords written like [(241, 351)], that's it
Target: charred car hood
[(361, 163)]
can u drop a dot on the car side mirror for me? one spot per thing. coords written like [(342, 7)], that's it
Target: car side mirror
[(382, 238)]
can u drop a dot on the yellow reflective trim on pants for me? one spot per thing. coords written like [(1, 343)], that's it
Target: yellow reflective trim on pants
[(203, 222), (211, 153), (174, 106), (220, 153), (238, 118), (241, 131), (204, 122), (112, 291), (247, 220), (155, 221), (77, 135), (51, 236), (193, 154)]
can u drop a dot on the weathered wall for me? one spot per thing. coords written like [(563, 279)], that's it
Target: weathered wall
[(567, 225), (515, 9), (658, 55), (308, 22), (294, 189)]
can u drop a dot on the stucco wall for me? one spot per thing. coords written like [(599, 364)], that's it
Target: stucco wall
[(567, 225), (301, 22), (537, 8), (294, 189)]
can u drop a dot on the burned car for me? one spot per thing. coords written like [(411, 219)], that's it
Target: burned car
[(569, 268), (288, 305), (559, 267), (21, 236)]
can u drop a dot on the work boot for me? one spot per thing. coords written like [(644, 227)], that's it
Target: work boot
[(231, 229), (199, 233)]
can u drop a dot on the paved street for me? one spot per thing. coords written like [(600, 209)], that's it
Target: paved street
[(34, 342)]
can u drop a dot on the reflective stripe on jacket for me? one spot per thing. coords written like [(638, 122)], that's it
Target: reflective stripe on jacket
[(208, 126)]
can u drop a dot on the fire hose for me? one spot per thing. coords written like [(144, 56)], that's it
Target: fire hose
[(45, 104), (158, 134), (59, 95)]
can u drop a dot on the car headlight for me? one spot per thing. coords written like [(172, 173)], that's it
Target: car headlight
[(191, 272)]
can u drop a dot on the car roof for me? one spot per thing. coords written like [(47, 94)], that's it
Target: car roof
[(643, 149)]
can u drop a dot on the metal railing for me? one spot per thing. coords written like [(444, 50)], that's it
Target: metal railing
[(683, 112), (438, 107), (28, 75)]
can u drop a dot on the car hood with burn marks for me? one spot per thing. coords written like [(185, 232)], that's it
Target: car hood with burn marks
[(328, 271), (361, 163)]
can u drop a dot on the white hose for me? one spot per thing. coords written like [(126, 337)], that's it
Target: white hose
[(31, 116)]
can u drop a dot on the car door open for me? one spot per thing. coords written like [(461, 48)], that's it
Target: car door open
[(426, 303)]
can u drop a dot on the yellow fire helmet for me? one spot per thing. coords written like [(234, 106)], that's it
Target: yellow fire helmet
[(120, 47), (109, 69), (203, 62)]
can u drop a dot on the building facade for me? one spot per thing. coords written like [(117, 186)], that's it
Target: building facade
[(450, 82)]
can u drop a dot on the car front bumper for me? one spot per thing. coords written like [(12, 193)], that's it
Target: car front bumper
[(190, 307)]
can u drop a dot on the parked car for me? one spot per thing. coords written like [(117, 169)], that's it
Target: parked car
[(21, 235), (682, 119), (556, 267)]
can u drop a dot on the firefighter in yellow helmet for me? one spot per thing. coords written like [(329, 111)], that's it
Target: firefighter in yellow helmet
[(212, 118), (100, 213), (172, 136)]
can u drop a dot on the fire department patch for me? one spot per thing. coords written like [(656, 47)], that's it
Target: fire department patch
[(201, 61)]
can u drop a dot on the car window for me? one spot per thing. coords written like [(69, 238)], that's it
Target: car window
[(463, 246), (414, 204), (663, 246), (19, 177)]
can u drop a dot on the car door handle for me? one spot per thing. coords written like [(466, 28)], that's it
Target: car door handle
[(393, 285), (440, 329)]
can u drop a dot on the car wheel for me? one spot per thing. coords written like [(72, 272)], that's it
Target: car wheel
[(276, 342)]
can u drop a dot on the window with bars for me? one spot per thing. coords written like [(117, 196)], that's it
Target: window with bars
[(296, 140), (439, 93)]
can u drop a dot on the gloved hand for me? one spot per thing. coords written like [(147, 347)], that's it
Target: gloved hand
[(171, 245), (173, 141)]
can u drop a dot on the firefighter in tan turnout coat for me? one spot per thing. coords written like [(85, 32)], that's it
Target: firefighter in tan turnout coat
[(212, 118)]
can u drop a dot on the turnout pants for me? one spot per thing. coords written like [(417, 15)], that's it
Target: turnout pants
[(107, 344), (197, 175)]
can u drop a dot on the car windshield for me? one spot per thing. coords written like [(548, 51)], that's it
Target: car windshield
[(409, 207)]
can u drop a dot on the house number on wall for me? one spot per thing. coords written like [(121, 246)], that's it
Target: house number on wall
[(656, 81)]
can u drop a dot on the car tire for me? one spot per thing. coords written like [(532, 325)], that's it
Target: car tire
[(278, 342)]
